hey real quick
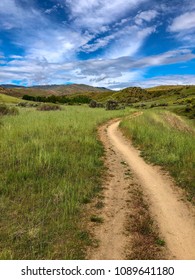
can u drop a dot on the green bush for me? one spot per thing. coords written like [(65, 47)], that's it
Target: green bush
[(5, 110), (47, 107)]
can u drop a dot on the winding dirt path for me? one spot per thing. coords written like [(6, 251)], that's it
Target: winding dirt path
[(112, 233), (175, 218)]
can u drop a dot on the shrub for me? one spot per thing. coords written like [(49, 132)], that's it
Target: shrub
[(5, 110), (111, 105), (26, 104), (47, 107), (93, 104), (188, 109)]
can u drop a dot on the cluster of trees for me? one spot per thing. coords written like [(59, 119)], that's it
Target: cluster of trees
[(82, 99)]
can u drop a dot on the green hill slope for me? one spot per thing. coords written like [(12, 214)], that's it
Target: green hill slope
[(7, 97)]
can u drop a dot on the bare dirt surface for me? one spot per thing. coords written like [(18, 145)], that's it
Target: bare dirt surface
[(111, 233), (174, 216)]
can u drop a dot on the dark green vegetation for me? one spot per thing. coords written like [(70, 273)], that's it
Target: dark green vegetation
[(96, 219), (167, 140), (80, 99), (50, 166)]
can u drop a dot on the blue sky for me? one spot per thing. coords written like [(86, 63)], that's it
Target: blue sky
[(113, 43)]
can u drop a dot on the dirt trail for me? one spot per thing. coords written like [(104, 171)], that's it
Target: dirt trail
[(175, 218), (112, 234)]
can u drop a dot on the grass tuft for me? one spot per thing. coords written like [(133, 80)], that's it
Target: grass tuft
[(96, 219)]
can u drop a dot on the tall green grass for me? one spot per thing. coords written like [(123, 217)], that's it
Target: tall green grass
[(166, 145), (50, 163)]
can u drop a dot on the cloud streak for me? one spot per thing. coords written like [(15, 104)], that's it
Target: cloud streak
[(95, 13), (183, 22)]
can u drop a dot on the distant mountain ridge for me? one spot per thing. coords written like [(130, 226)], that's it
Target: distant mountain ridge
[(54, 86), (75, 86), (58, 90), (10, 86)]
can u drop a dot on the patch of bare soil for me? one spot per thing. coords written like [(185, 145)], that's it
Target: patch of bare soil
[(120, 215)]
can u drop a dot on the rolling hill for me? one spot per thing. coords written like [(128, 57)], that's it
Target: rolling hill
[(57, 90)]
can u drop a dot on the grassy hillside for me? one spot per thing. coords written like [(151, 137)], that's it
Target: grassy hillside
[(8, 99), (173, 95), (178, 99), (173, 91), (127, 95), (166, 87), (130, 95), (50, 166), (168, 140)]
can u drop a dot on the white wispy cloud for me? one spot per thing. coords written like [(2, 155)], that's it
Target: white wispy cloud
[(37, 35), (121, 42), (14, 16), (92, 14), (170, 57), (167, 80), (54, 8), (57, 45), (145, 16), (182, 27), (183, 22), (125, 37), (98, 44), (128, 41)]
